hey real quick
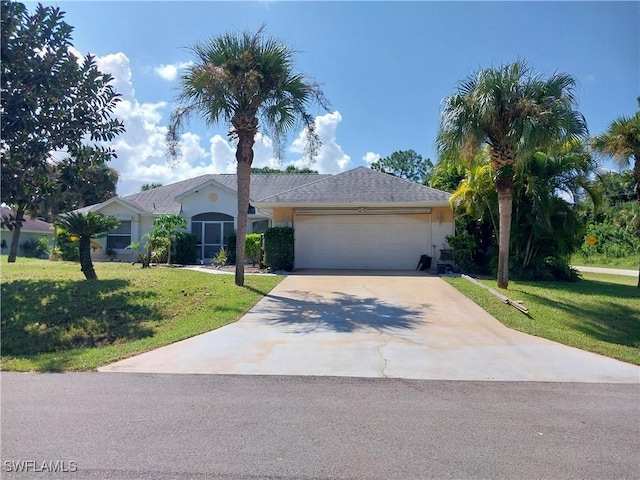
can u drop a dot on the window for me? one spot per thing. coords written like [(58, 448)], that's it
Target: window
[(260, 226), (120, 238)]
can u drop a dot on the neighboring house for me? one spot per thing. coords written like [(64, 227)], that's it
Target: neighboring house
[(31, 228), (357, 219)]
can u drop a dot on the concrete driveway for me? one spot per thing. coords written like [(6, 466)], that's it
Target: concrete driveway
[(378, 324)]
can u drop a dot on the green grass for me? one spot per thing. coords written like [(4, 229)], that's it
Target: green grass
[(600, 313), (54, 320), (626, 263)]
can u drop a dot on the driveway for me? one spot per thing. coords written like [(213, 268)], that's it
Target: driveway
[(378, 324)]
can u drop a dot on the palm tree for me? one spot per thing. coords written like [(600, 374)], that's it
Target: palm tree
[(86, 227), (246, 81), (621, 142), (513, 113)]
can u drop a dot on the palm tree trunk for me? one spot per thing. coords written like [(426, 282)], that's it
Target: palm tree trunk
[(15, 234), (504, 185), (86, 265), (244, 156)]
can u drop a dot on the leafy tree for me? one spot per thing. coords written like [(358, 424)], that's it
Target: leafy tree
[(247, 81), (513, 112), (294, 169), (49, 101), (448, 173), (288, 169), (86, 227), (406, 164), (167, 226), (621, 142), (150, 186), (83, 179)]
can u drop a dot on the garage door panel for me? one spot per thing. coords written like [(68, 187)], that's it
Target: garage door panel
[(361, 241)]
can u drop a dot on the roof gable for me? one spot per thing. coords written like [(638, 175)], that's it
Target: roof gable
[(361, 185), (167, 198)]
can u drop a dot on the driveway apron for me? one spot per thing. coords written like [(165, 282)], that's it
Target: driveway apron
[(378, 324)]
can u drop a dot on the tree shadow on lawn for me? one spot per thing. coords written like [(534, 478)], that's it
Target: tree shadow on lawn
[(51, 315), (607, 321), (344, 313)]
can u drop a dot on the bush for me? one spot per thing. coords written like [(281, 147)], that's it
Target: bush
[(43, 248), (463, 245), (68, 248), (252, 247), (610, 241), (159, 247), (30, 248), (279, 248), (185, 248), (551, 269), (231, 249), (221, 258)]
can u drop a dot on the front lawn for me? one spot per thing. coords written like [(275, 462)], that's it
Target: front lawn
[(54, 320), (600, 313)]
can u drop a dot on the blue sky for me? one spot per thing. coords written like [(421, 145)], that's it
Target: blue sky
[(384, 66)]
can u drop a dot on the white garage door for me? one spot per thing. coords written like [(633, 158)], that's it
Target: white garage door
[(361, 241)]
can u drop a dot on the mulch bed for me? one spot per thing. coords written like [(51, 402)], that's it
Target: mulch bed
[(232, 269)]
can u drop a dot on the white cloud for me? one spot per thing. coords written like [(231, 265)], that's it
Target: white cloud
[(141, 149), (331, 158), (117, 64), (170, 72), (370, 158)]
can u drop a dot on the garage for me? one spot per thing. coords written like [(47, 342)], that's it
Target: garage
[(362, 240)]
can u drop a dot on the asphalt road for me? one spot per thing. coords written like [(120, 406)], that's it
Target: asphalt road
[(159, 426)]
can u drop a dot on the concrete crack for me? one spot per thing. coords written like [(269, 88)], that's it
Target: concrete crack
[(384, 360)]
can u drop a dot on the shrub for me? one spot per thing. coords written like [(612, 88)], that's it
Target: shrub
[(279, 248), (185, 245), (252, 247), (159, 247), (30, 247), (42, 249), (463, 245), (220, 258), (68, 248), (231, 249), (610, 241)]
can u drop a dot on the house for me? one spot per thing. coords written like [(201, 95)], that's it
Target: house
[(32, 228), (361, 218)]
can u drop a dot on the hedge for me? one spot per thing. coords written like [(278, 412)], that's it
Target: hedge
[(279, 248)]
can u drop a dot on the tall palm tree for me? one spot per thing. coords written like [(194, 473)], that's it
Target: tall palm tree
[(513, 112), (246, 81), (86, 227), (621, 142)]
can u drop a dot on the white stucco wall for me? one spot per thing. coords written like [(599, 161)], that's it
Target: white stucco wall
[(121, 213), (209, 199)]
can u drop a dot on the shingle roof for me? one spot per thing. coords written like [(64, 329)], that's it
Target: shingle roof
[(362, 186), (29, 224), (162, 199)]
